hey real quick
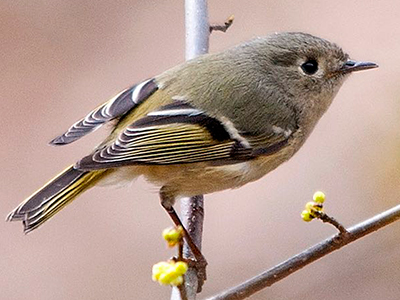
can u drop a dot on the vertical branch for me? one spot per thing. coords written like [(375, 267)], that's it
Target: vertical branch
[(192, 209), (197, 28)]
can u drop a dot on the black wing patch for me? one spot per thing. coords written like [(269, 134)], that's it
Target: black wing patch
[(114, 108), (176, 133), (180, 112)]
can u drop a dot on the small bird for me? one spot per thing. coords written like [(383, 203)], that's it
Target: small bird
[(212, 123)]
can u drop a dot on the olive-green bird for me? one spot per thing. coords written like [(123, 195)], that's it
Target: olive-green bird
[(216, 122)]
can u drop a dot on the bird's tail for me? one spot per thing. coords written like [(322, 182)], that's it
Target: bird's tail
[(54, 196)]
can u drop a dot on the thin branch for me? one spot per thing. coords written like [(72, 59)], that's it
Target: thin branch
[(331, 220), (181, 292), (192, 209), (308, 256), (197, 28), (222, 27)]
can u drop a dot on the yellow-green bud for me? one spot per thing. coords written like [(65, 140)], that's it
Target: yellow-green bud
[(173, 235), (319, 197), (306, 216), (159, 269), (169, 273), (181, 267), (310, 206)]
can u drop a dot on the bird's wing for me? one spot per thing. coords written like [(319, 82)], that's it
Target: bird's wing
[(112, 109), (177, 133)]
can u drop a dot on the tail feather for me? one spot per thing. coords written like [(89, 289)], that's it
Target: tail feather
[(54, 196)]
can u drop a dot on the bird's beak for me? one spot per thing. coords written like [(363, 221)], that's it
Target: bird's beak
[(352, 65)]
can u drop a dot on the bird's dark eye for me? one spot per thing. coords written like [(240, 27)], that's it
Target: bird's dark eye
[(310, 67)]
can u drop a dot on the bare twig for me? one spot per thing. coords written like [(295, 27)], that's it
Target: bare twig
[(222, 27), (197, 28), (182, 292), (193, 216), (197, 41), (331, 220), (308, 256)]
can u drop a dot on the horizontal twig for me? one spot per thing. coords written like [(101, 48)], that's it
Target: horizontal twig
[(222, 27), (308, 256)]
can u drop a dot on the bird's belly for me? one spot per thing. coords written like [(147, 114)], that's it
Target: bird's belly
[(204, 178)]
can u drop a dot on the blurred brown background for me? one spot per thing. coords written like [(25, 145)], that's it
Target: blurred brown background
[(59, 59)]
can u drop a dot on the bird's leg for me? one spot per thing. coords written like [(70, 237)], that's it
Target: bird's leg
[(167, 202), (195, 250)]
